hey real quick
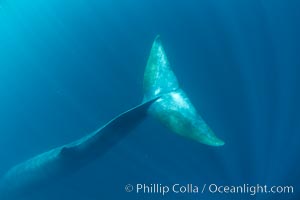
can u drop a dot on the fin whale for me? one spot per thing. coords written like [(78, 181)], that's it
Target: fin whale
[(163, 99)]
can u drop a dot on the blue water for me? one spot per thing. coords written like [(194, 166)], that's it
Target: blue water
[(67, 67)]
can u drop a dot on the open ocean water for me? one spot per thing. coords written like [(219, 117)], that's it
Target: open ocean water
[(67, 67)]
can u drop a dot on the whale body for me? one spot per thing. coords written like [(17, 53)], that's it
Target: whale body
[(163, 99)]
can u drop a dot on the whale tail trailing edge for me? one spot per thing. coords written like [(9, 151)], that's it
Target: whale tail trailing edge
[(173, 108)]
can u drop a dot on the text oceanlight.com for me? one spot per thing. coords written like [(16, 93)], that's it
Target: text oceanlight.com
[(207, 188)]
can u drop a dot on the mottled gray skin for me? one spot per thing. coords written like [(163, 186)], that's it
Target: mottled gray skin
[(163, 99), (173, 108), (158, 76), (177, 113)]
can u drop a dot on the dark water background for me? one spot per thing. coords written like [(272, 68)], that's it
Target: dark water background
[(67, 67)]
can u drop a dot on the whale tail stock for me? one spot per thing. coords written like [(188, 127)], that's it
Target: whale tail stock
[(163, 99)]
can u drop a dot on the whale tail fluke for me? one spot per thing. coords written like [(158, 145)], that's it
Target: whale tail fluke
[(158, 76), (173, 107)]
